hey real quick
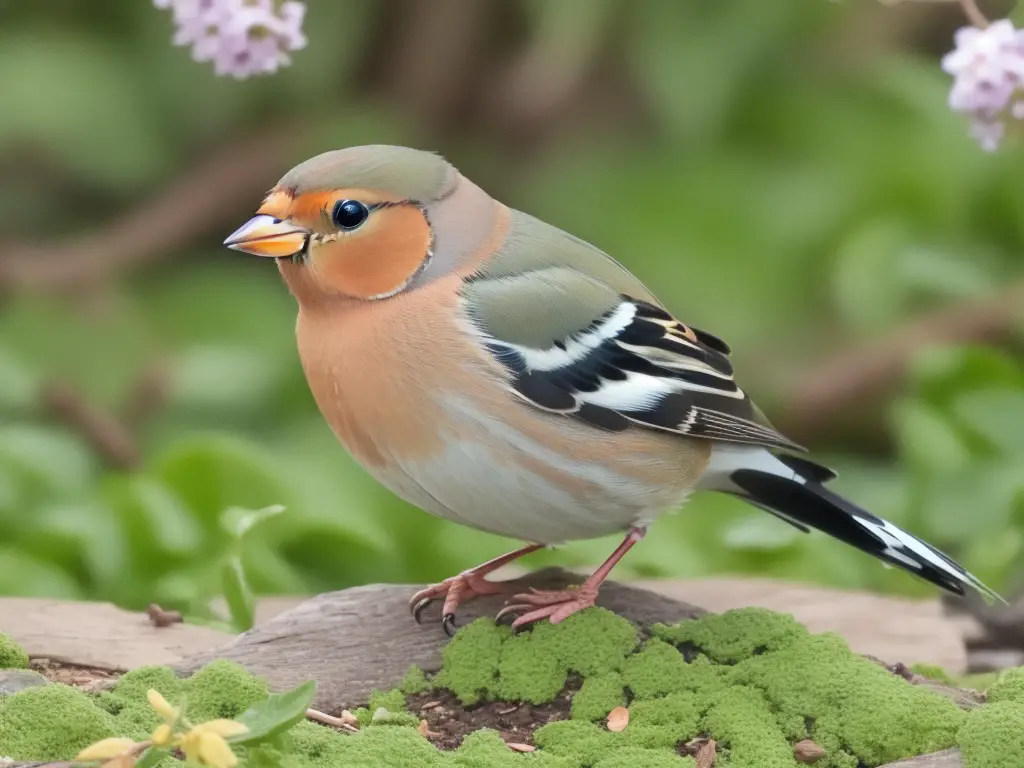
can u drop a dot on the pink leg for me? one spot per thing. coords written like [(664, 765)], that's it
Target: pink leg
[(465, 586), (558, 605)]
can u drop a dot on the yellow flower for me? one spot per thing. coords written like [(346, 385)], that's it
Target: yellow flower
[(206, 743), (162, 735), (162, 706), (106, 749)]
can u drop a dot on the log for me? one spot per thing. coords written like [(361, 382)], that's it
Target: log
[(360, 639), (363, 638)]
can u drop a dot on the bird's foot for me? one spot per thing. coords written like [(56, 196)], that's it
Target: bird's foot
[(454, 591), (465, 586), (554, 605)]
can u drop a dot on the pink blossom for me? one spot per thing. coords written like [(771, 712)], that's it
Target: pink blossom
[(241, 37), (988, 69)]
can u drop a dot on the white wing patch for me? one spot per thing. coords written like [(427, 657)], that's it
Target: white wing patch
[(577, 347)]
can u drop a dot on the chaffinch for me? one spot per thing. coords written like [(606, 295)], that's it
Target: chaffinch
[(501, 373)]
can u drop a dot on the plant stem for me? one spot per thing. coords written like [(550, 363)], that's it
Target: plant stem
[(973, 13)]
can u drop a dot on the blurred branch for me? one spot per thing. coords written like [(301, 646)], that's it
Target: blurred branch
[(436, 50), (869, 372), (108, 437), (158, 226), (114, 439)]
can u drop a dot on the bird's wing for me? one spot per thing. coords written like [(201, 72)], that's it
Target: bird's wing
[(576, 344)]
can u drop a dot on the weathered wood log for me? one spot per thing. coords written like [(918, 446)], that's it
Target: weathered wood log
[(360, 639), (363, 638)]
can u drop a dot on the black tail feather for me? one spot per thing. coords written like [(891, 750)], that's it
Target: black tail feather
[(807, 503)]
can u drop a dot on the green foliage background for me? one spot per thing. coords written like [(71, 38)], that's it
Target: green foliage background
[(785, 174)]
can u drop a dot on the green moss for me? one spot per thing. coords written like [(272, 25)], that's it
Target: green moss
[(579, 739), (631, 757), (599, 695), (388, 708), (485, 749), (53, 722), (659, 669), (851, 700), (132, 686), (12, 655), (933, 672), (528, 671), (393, 700), (681, 711), (471, 660), (414, 681), (742, 720), (1009, 686), (993, 736), (222, 689), (589, 642), (734, 635)]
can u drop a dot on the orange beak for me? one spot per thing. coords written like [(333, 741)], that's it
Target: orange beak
[(264, 235)]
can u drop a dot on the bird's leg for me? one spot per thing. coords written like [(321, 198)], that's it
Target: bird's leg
[(558, 605), (465, 586)]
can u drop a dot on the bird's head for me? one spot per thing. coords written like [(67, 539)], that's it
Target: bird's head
[(358, 222)]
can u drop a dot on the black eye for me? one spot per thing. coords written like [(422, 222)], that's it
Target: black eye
[(349, 214)]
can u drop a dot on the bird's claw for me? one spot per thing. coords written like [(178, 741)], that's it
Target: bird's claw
[(553, 605), (416, 607), (448, 624), (453, 591)]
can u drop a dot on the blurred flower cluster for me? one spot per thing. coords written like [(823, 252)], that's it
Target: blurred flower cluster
[(241, 37), (987, 65)]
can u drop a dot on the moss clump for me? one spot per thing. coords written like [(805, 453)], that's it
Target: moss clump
[(414, 681), (851, 701), (12, 655), (222, 689), (1009, 686), (734, 635), (933, 672), (599, 695), (631, 757), (741, 719), (53, 722), (993, 736), (471, 660)]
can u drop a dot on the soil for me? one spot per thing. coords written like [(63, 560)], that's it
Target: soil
[(450, 721)]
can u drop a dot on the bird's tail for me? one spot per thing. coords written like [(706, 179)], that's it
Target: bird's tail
[(793, 489)]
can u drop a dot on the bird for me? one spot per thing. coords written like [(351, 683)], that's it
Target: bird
[(503, 374)]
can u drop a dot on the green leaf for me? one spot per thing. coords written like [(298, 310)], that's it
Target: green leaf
[(940, 374), (47, 457), (926, 440), (995, 414), (238, 522), (237, 594), (276, 714), (211, 473), (152, 757), (156, 519)]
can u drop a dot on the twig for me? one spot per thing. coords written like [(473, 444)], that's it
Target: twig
[(162, 617), (323, 717), (110, 439), (159, 226), (148, 396), (866, 373)]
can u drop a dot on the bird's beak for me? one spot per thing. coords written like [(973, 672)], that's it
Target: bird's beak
[(264, 235)]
